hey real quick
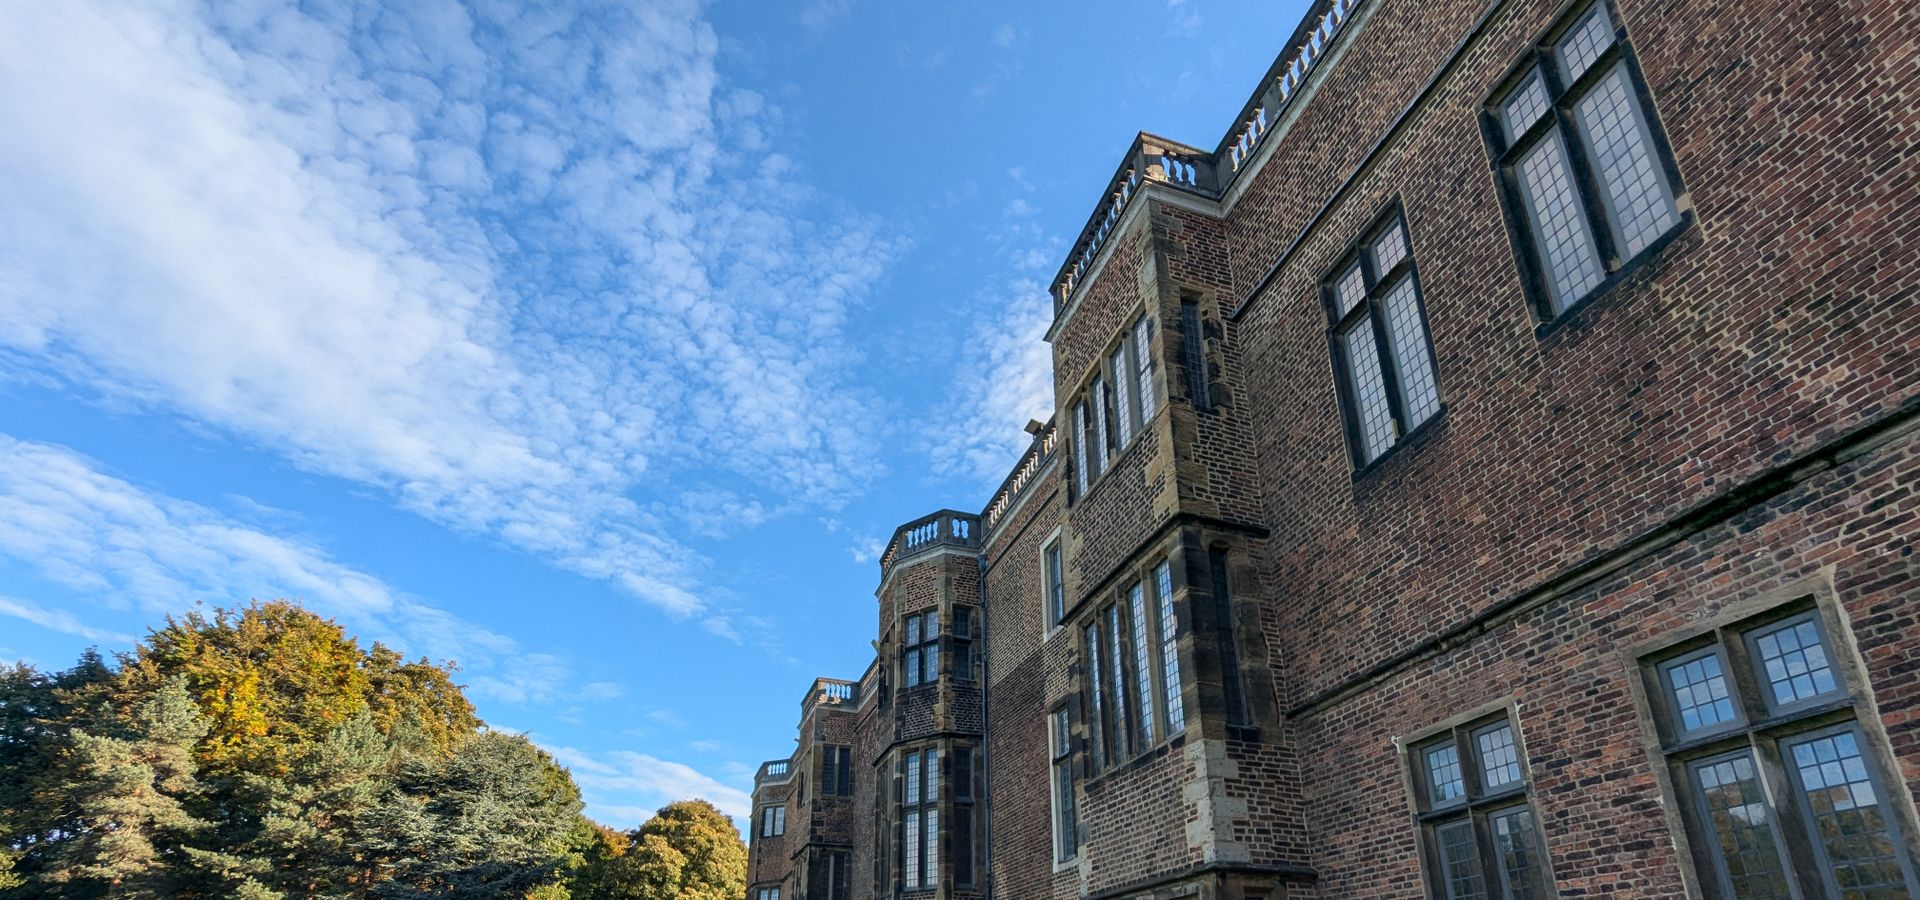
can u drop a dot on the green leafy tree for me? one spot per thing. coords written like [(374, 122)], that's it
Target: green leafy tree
[(689, 851), (491, 820), (126, 782)]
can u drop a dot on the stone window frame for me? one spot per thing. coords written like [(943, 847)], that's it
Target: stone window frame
[(1760, 731), (1053, 592), (1062, 784), (1093, 418), (1369, 311), (838, 874), (1598, 217), (920, 654), (836, 770), (773, 821), (1478, 805), (918, 807), (1117, 714)]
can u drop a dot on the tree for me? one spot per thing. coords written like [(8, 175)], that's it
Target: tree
[(491, 820), (689, 850), (126, 782)]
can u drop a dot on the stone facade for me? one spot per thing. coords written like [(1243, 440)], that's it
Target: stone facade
[(1431, 629)]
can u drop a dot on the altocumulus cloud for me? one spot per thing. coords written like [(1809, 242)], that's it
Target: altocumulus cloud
[(513, 265)]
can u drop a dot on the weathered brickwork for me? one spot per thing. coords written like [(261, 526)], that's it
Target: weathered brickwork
[(1724, 432)]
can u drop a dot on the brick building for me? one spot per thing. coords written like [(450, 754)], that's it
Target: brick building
[(1489, 472)]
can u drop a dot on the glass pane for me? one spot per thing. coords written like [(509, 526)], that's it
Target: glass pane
[(1369, 390), (933, 625), (1518, 853), (1459, 862), (1390, 249), (1116, 664), (910, 861), (1566, 249), (933, 848), (931, 671), (1351, 290), (933, 776), (1100, 422), (1142, 658), (1586, 42), (1499, 758), (1794, 662), (1743, 837), (1169, 650), (1444, 782), (1096, 725), (1060, 734), (1623, 158), (1407, 337), (1848, 819), (913, 778), (913, 668), (913, 630), (1122, 408), (1143, 360), (1080, 447), (1699, 691), (1524, 106)]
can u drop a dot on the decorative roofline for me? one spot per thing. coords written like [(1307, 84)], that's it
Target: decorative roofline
[(1024, 475), (1196, 171), (946, 528)]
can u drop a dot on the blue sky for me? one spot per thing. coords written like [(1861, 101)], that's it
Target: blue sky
[(597, 347)]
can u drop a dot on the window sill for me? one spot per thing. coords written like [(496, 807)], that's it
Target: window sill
[(1139, 760), (1578, 314), (1422, 434)]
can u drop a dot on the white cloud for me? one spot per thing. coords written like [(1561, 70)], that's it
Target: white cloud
[(104, 537), (1008, 366), (512, 265), (59, 620), (819, 16), (628, 787), (1186, 18)]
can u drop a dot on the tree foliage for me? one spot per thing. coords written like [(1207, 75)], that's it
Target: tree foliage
[(261, 753)]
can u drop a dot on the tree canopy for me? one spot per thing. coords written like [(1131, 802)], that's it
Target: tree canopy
[(262, 753)]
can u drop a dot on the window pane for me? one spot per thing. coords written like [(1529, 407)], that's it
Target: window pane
[(1369, 390), (1566, 249), (1390, 249), (1794, 662), (1743, 839), (1056, 586), (931, 663), (1143, 361), (1459, 862), (1080, 447), (913, 778), (933, 776), (1524, 106), (913, 630), (1097, 725), (1407, 335), (1169, 649), (1351, 290), (1586, 42), (1699, 690), (1117, 701), (1100, 423), (1061, 737), (913, 668), (1848, 819), (933, 625), (1063, 810), (933, 848), (1623, 158), (1517, 853), (1443, 774), (1142, 658), (1499, 759), (910, 852), (1122, 409)]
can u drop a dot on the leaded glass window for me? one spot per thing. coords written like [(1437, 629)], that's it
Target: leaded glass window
[(1383, 359), (1478, 829), (1586, 176)]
